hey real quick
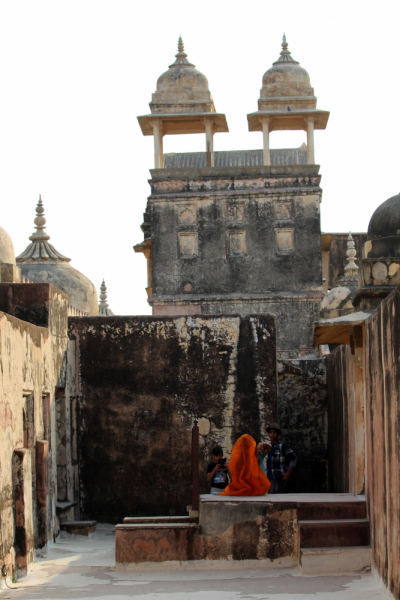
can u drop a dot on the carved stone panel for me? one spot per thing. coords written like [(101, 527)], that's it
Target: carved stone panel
[(283, 210), (236, 242), (188, 246), (284, 241), (235, 211), (187, 214)]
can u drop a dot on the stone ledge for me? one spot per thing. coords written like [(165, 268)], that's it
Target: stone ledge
[(84, 528)]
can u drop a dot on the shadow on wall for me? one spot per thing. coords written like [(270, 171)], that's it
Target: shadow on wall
[(303, 418)]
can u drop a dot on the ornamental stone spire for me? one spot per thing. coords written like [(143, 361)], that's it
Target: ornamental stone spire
[(285, 55), (40, 249), (104, 310), (351, 267), (181, 56)]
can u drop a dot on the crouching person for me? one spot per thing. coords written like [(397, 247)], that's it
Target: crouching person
[(280, 461)]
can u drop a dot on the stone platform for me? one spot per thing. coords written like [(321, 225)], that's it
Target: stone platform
[(274, 527)]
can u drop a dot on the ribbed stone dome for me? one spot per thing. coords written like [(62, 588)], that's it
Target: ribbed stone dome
[(385, 222), (41, 262), (7, 254)]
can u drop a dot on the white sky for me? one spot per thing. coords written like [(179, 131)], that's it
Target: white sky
[(74, 75)]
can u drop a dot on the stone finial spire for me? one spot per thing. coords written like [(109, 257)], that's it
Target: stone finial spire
[(181, 56), (40, 249), (103, 295), (40, 222), (103, 305), (351, 255), (285, 55)]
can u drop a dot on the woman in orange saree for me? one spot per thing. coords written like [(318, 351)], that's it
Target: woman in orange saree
[(248, 478)]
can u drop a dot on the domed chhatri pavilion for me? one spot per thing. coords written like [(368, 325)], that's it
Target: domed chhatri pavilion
[(181, 104), (41, 262), (287, 101)]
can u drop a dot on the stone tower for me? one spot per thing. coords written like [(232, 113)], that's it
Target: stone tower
[(237, 232)]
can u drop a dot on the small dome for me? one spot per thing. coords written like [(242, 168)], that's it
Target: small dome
[(286, 79), (7, 254), (81, 291), (41, 262), (385, 222), (181, 84)]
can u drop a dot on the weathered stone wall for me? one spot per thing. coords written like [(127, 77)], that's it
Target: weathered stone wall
[(252, 530), (382, 406), (346, 430), (238, 240), (303, 418), (32, 352), (376, 389), (143, 382)]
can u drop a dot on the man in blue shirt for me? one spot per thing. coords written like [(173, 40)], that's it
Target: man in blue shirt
[(280, 460)]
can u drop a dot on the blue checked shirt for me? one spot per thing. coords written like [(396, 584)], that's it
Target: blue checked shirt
[(279, 459)]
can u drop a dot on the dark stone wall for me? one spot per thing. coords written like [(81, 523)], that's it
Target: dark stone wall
[(295, 320), (302, 414), (143, 382), (257, 265), (338, 421)]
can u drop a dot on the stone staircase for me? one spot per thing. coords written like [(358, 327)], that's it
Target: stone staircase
[(334, 537)]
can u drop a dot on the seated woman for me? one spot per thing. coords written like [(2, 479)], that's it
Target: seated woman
[(248, 476)]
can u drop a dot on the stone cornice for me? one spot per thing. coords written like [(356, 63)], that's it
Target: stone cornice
[(234, 172), (278, 297)]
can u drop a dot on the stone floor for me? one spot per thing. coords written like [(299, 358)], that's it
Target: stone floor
[(81, 568)]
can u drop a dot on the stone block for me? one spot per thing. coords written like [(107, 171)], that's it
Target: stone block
[(334, 533), (322, 561), (156, 543), (84, 528)]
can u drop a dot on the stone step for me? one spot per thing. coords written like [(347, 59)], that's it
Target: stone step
[(334, 533), (156, 542), (79, 527), (319, 561), (138, 520), (325, 511)]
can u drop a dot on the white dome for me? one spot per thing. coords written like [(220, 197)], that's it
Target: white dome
[(7, 254)]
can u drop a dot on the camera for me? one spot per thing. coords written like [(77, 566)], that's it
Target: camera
[(221, 461)]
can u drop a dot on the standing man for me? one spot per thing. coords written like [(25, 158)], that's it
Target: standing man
[(280, 460)]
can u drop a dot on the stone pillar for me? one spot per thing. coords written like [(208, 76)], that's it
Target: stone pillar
[(265, 128), (158, 149), (208, 124), (310, 140), (161, 146)]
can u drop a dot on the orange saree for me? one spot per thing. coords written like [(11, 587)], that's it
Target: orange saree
[(248, 478)]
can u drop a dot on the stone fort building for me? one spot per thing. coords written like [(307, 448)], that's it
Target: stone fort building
[(256, 318)]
